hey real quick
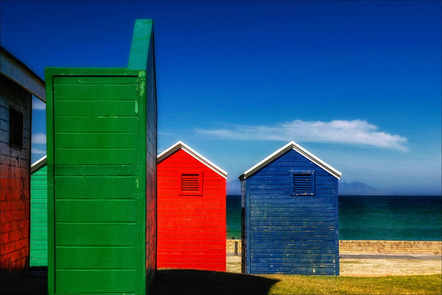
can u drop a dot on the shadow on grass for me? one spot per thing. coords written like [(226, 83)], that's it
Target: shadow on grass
[(167, 282), (198, 282), (32, 282)]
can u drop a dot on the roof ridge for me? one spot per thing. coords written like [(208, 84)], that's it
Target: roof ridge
[(289, 146), (181, 145)]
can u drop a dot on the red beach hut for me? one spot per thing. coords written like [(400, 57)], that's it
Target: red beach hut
[(191, 211), (17, 85)]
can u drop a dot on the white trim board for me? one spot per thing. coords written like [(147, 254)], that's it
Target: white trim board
[(18, 72), (38, 164), (291, 145), (193, 153)]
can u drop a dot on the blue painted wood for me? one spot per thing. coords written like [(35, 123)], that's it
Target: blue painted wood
[(286, 233)]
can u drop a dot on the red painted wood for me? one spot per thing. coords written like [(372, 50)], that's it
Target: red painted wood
[(191, 228), (14, 182)]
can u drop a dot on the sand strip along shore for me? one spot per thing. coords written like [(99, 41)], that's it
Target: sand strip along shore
[(373, 258), (372, 247)]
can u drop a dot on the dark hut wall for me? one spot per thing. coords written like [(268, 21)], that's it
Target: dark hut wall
[(244, 218), (14, 181), (151, 168), (291, 234)]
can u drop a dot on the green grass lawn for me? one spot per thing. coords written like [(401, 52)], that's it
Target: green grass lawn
[(425, 284), (213, 283)]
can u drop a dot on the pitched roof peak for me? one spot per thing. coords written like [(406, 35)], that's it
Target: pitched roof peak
[(289, 146), (38, 164), (181, 145)]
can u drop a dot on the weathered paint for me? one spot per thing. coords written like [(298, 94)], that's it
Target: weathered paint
[(102, 126), (14, 181), (191, 226), (287, 233), (39, 216)]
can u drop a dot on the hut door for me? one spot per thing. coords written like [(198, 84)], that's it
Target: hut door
[(96, 196)]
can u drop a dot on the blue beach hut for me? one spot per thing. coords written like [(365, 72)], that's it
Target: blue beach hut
[(289, 205)]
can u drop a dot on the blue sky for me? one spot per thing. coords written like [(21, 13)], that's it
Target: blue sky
[(356, 83)]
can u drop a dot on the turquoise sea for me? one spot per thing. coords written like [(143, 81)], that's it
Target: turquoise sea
[(401, 218)]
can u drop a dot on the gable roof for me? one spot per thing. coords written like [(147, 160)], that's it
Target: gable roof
[(38, 164), (291, 145), (181, 145)]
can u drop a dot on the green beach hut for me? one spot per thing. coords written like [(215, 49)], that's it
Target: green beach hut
[(39, 214), (101, 142)]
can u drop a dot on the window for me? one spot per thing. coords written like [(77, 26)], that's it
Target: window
[(191, 184), (16, 128), (302, 183)]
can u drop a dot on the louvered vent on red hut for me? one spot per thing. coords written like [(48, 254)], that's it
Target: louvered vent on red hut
[(191, 183)]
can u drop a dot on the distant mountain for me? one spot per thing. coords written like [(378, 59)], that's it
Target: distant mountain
[(234, 187), (357, 188)]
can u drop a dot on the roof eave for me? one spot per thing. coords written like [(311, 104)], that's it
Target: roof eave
[(291, 145), (38, 164), (181, 145), (17, 71)]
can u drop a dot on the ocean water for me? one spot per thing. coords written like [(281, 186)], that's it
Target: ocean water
[(400, 218)]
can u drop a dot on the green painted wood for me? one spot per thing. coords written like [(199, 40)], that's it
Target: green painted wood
[(93, 210), (96, 124), (95, 282), (97, 155), (99, 140), (141, 42), (111, 187), (39, 218), (92, 92), (97, 170), (101, 151), (91, 107), (71, 233), (92, 258), (102, 210), (86, 80)]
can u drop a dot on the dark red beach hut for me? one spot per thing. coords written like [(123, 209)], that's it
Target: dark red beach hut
[(191, 211), (17, 85)]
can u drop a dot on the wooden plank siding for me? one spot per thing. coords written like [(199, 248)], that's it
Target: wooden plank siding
[(191, 228), (14, 181), (151, 165), (102, 141), (95, 209), (39, 217), (285, 233)]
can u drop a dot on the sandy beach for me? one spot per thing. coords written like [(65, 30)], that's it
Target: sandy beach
[(376, 267), (374, 258)]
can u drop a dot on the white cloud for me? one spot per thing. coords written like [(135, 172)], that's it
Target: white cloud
[(38, 151), (39, 138), (38, 104), (358, 132)]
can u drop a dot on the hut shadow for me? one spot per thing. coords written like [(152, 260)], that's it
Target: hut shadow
[(32, 282), (198, 282)]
